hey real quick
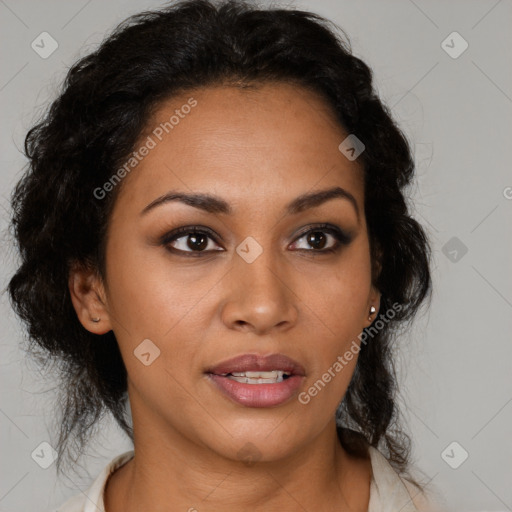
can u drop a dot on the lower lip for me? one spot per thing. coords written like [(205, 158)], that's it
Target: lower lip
[(258, 395)]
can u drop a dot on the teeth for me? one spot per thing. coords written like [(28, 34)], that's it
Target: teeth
[(261, 375), (258, 377)]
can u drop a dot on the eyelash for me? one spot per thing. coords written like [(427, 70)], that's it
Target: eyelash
[(340, 237)]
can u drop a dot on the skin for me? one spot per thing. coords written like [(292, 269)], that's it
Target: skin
[(258, 149)]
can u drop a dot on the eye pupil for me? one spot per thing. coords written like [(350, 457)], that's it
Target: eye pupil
[(197, 241), (317, 239)]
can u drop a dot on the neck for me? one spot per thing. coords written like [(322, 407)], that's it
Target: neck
[(170, 472)]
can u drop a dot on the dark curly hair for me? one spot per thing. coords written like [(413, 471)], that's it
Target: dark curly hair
[(91, 129)]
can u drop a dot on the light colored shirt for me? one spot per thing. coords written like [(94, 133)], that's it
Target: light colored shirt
[(388, 491)]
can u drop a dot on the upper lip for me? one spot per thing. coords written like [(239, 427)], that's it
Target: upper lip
[(255, 362)]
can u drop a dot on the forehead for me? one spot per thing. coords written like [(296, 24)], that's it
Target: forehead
[(265, 143)]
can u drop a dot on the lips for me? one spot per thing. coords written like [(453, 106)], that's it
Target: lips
[(255, 363), (247, 389)]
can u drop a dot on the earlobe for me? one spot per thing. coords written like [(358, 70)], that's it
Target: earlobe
[(373, 305), (88, 298)]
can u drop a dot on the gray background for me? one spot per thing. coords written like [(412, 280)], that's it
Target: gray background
[(455, 364)]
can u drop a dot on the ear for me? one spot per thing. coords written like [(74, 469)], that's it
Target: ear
[(89, 299), (373, 300), (375, 294)]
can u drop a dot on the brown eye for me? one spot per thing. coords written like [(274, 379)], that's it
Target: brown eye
[(196, 241), (319, 237), (190, 240)]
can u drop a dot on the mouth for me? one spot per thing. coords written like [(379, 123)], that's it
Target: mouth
[(258, 381), (271, 377), (248, 365)]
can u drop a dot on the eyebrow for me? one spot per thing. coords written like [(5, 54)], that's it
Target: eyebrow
[(214, 204)]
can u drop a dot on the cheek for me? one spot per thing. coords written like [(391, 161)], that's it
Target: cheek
[(337, 307), (155, 310), (340, 295), (147, 297)]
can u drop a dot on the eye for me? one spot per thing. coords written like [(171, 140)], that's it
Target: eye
[(197, 240), (317, 239), (191, 239)]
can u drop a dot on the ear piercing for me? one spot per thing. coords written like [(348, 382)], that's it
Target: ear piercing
[(95, 320)]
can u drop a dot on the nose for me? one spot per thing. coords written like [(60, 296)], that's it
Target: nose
[(259, 296)]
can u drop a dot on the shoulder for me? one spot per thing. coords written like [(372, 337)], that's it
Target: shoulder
[(92, 499), (74, 504), (421, 500), (391, 491)]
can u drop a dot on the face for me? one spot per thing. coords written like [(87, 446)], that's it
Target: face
[(256, 271)]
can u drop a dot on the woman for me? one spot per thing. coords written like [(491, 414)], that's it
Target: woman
[(213, 230)]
